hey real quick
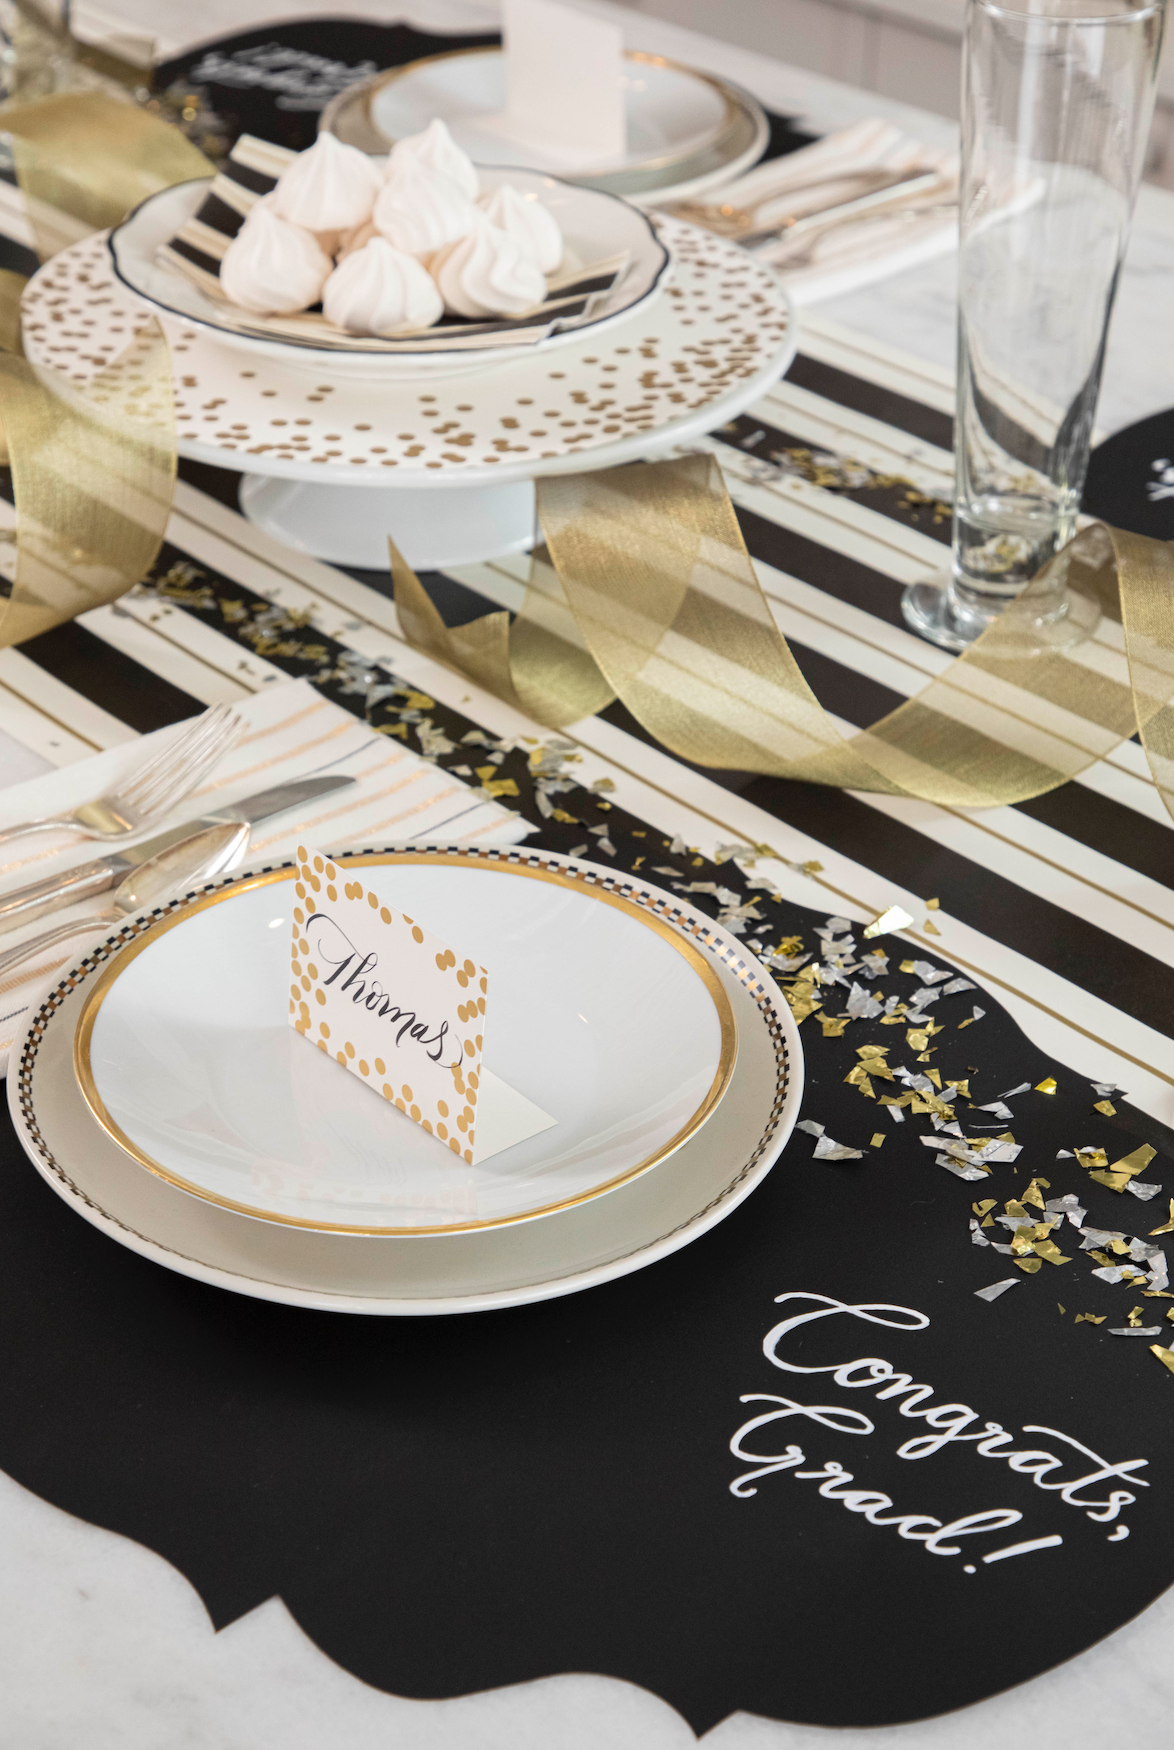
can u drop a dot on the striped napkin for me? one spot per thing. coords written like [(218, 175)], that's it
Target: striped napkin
[(851, 255), (292, 732), (252, 170)]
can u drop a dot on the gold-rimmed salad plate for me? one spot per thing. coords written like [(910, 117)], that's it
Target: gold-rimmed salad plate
[(601, 1014)]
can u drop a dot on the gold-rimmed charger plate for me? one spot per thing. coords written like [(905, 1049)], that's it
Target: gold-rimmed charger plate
[(732, 145), (604, 1014), (596, 1242)]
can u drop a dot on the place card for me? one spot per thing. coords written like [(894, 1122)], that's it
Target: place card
[(401, 1011), (564, 74)]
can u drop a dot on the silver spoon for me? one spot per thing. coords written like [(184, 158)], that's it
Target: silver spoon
[(178, 869)]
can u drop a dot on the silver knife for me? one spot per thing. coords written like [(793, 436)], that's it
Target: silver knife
[(188, 864), (82, 883)]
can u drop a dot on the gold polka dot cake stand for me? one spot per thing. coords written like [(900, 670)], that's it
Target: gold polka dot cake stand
[(446, 466)]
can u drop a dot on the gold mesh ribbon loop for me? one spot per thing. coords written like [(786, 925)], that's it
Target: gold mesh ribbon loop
[(93, 473), (649, 594), (84, 159), (92, 457)]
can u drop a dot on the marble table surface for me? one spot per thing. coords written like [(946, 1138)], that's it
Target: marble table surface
[(103, 1644)]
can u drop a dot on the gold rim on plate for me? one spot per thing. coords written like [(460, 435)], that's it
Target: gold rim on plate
[(362, 94), (556, 876)]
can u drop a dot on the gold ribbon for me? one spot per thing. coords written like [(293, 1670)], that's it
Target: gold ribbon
[(646, 593), (93, 460), (84, 159)]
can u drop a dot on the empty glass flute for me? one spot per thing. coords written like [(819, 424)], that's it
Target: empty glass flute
[(1056, 105)]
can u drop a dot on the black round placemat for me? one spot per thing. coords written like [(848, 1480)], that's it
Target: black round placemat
[(453, 1504), (1131, 478)]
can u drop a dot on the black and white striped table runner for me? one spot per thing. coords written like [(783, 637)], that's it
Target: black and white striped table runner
[(841, 477)]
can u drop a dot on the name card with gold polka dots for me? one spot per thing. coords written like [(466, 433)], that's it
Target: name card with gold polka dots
[(399, 1009)]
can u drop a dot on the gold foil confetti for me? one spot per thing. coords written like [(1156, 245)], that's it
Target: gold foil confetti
[(908, 965), (1033, 1193), (892, 919), (1107, 1107), (1091, 1318), (1030, 1265), (802, 1002), (1091, 1157), (1136, 1314), (873, 1058), (1047, 1086), (878, 1139), (1137, 1162), (812, 868), (1062, 1309), (1050, 1250), (833, 1025), (984, 1206), (1165, 1356), (1120, 1173), (1167, 1227), (917, 1039), (932, 904)]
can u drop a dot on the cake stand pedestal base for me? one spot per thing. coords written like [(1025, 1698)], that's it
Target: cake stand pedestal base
[(434, 528)]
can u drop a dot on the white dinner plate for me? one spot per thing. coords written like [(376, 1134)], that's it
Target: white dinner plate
[(595, 226), (604, 1017), (687, 130), (594, 1241)]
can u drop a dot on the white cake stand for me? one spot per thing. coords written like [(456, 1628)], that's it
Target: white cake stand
[(446, 467)]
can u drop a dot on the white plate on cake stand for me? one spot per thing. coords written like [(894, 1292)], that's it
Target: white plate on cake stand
[(595, 227), (445, 468), (594, 1242), (602, 1015)]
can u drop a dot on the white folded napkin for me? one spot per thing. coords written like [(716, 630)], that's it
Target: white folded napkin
[(292, 732), (852, 255)]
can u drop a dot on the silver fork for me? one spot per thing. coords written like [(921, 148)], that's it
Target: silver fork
[(736, 223), (156, 786), (810, 241)]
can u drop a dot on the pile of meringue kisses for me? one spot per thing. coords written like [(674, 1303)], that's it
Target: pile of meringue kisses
[(388, 254)]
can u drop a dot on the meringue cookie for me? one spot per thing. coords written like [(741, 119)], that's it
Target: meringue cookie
[(380, 290), (330, 187), (436, 150), (356, 238), (487, 273), (528, 222), (273, 267), (419, 210)]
